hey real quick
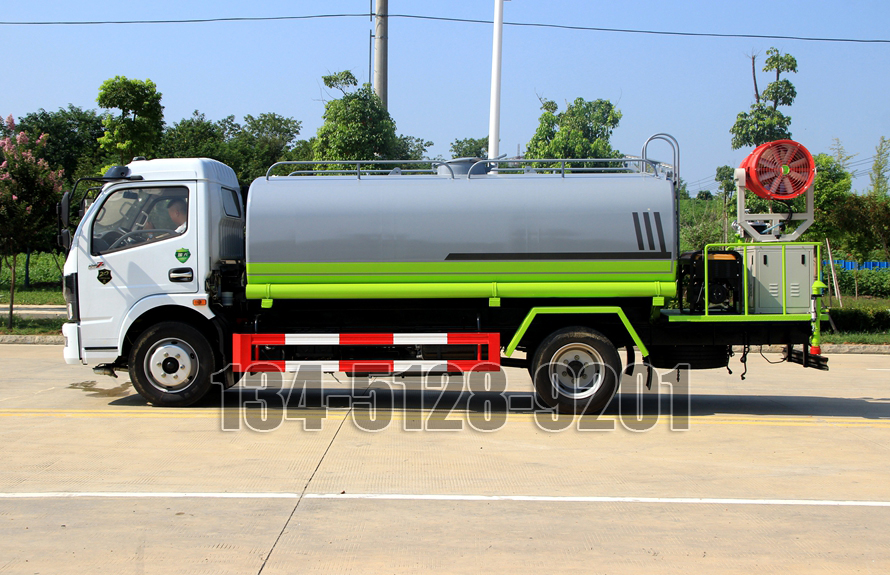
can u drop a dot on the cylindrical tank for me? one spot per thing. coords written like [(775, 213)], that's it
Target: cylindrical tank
[(525, 235)]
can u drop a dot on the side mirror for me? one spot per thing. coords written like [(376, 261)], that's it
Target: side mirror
[(64, 239), (65, 210), (84, 205)]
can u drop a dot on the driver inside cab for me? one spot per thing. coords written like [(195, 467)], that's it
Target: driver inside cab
[(179, 213)]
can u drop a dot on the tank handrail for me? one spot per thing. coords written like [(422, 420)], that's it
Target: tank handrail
[(521, 167), (675, 146), (358, 166), (354, 167)]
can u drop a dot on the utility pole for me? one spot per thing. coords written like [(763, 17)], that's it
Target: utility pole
[(381, 64), (494, 119)]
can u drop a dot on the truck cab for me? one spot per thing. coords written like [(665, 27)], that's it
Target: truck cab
[(144, 254)]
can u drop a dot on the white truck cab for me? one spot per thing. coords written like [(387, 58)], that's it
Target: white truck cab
[(142, 255)]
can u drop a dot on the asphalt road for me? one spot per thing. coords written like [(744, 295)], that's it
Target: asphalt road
[(786, 471)]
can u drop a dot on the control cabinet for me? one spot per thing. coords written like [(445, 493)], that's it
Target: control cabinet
[(780, 278)]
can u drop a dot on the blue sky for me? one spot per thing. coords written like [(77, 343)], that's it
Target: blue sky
[(439, 72)]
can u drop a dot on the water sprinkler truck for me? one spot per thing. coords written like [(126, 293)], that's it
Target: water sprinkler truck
[(374, 267)]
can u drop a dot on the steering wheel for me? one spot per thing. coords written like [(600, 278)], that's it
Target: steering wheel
[(130, 237)]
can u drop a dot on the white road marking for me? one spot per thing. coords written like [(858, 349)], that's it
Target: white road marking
[(444, 497)]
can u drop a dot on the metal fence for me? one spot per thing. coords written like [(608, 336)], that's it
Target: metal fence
[(851, 266)]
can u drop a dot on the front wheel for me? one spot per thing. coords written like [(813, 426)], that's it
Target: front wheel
[(576, 370), (171, 365)]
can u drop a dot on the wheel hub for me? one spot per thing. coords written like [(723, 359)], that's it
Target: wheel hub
[(577, 371), (171, 365)]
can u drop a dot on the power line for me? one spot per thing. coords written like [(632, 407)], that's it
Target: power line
[(182, 21), (655, 32), (444, 19)]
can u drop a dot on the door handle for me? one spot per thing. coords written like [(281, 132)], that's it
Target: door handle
[(183, 275)]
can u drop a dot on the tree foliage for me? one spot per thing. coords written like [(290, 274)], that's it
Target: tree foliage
[(73, 145), (258, 143), (583, 130), (249, 148), (761, 124), (357, 126), (29, 190), (194, 137), (764, 122), (137, 126), (865, 218), (470, 148), (878, 175)]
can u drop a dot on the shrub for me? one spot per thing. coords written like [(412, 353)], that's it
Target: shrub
[(863, 319), (875, 283)]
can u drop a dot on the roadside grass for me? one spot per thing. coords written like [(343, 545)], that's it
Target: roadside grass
[(857, 338), (40, 294), (862, 302), (46, 284), (32, 326)]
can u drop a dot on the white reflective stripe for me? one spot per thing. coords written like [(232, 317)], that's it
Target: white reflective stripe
[(422, 365), (312, 339), (326, 366), (420, 338)]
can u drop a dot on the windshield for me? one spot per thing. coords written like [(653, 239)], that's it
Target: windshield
[(135, 216)]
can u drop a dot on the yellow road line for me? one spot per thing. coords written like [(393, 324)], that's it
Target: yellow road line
[(457, 415)]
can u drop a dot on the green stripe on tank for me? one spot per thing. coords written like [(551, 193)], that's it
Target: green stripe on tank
[(460, 290), (458, 272)]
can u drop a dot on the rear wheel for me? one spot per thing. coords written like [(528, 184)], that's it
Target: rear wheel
[(171, 365), (577, 370)]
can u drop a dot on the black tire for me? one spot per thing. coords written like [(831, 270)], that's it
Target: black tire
[(171, 365), (588, 372)]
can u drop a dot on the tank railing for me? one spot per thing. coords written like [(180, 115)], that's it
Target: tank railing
[(522, 166), (675, 146), (561, 167), (357, 170)]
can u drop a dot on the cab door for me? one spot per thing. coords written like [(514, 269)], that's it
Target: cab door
[(132, 249)]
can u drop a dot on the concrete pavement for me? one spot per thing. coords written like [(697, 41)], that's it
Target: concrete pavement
[(784, 471)]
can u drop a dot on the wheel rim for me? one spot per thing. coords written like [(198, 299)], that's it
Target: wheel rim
[(577, 371), (171, 365)]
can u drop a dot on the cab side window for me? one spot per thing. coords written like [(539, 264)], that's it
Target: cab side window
[(136, 216)]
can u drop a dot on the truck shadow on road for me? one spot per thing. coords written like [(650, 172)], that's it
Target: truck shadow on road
[(647, 404)]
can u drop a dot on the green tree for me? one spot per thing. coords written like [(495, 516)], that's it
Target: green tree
[(412, 148), (840, 153), (356, 126), (72, 142), (258, 143), (699, 222), (725, 178), (470, 148), (250, 148), (764, 122), (583, 130), (194, 137), (866, 218), (878, 175), (29, 190), (831, 188), (137, 127)]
